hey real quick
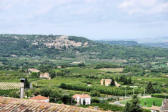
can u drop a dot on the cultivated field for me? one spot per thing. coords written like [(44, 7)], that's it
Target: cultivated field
[(115, 70), (147, 102), (9, 85)]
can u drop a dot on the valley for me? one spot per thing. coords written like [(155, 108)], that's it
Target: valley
[(59, 67)]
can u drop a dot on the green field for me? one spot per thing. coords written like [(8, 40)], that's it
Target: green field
[(148, 102), (112, 70)]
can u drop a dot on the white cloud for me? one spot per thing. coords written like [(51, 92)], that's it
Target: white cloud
[(144, 6), (38, 7)]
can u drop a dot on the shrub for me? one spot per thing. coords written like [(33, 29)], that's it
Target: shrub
[(160, 95)]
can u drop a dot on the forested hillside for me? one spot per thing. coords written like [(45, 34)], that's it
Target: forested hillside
[(54, 46)]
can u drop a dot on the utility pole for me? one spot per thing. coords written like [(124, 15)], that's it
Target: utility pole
[(133, 91)]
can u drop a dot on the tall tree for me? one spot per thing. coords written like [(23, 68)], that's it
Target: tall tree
[(112, 82), (133, 105), (127, 107), (149, 88)]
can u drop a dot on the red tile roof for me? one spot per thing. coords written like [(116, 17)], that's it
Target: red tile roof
[(39, 97), (81, 96), (23, 105)]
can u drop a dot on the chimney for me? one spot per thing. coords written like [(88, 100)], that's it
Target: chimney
[(22, 80)]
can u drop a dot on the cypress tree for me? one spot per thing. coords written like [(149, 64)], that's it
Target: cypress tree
[(133, 105), (149, 88)]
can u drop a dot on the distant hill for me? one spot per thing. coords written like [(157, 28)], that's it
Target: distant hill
[(134, 43), (161, 45), (59, 46), (123, 43)]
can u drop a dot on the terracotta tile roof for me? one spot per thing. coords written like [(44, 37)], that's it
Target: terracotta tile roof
[(22, 105), (81, 96), (39, 97), (33, 70)]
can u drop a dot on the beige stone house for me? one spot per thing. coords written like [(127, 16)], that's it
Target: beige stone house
[(45, 75), (106, 82)]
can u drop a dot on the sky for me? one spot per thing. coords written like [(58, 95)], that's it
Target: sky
[(95, 19)]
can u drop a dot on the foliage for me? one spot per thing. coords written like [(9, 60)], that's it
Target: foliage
[(34, 75), (160, 96), (106, 65), (149, 88), (22, 45), (149, 102), (101, 89), (125, 79), (56, 96), (106, 106), (10, 93), (133, 105), (112, 82), (95, 93)]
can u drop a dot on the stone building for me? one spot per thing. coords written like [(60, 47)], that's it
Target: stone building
[(106, 82), (45, 75)]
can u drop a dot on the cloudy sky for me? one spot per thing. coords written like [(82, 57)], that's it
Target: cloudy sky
[(95, 19)]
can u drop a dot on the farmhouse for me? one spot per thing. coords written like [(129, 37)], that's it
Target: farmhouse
[(40, 98), (106, 82), (59, 66), (31, 70), (45, 75), (164, 107), (82, 99)]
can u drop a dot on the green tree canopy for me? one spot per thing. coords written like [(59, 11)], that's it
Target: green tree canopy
[(133, 105)]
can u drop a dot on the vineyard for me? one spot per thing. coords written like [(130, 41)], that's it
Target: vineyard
[(9, 85)]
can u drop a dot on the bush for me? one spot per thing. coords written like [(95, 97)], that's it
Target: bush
[(103, 90), (10, 93), (95, 93), (95, 100), (160, 95), (106, 106)]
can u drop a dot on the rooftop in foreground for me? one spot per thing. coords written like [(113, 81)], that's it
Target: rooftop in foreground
[(22, 105)]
